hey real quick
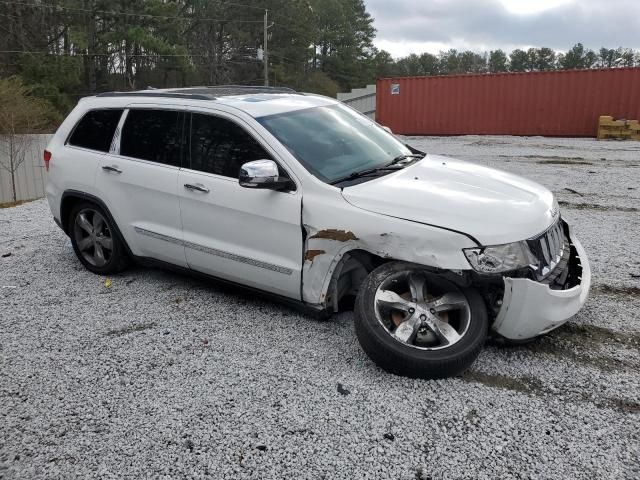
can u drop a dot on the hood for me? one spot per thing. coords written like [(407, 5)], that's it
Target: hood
[(490, 205)]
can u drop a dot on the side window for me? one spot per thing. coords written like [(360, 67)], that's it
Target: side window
[(153, 135), (220, 146), (95, 130)]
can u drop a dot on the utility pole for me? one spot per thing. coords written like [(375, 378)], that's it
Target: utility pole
[(265, 55)]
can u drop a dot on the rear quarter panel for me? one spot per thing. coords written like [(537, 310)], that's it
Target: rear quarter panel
[(70, 168)]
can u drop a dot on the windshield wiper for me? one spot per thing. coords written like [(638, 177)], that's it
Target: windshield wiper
[(369, 171), (393, 165), (400, 158)]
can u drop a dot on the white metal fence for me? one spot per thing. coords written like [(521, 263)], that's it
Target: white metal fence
[(362, 99), (30, 177)]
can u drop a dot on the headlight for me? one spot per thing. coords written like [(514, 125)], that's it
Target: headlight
[(500, 258)]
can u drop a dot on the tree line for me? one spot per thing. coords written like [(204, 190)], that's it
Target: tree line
[(453, 62)]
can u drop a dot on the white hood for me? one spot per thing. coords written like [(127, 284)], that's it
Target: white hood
[(492, 206)]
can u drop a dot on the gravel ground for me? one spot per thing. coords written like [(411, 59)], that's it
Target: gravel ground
[(161, 375)]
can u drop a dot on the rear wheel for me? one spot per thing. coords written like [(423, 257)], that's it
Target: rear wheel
[(95, 240), (415, 323)]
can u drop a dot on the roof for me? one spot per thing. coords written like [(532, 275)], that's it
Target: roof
[(257, 101)]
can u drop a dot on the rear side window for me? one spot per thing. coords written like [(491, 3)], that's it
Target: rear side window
[(220, 146), (153, 135), (95, 130)]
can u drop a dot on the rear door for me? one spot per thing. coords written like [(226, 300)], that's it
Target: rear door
[(74, 167), (138, 181), (248, 236)]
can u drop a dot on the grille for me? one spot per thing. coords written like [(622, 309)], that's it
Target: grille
[(548, 249)]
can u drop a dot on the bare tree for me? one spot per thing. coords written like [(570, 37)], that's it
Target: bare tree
[(20, 116)]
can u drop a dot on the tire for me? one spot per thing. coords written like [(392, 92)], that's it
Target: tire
[(429, 355), (92, 231)]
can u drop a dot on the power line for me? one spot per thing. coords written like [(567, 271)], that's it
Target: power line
[(134, 55), (64, 54), (287, 58), (244, 5), (143, 15)]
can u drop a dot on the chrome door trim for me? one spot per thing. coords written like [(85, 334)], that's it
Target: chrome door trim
[(214, 251)]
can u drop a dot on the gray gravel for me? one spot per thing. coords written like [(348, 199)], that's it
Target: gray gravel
[(165, 376)]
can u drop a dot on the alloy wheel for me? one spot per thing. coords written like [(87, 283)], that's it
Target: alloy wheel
[(93, 237), (422, 313)]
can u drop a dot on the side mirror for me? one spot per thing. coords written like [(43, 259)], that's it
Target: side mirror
[(263, 174)]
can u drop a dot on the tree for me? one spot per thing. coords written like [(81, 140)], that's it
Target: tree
[(449, 62), (410, 66), (429, 64), (541, 59), (383, 64), (606, 57), (519, 61), (343, 44), (498, 61), (625, 57), (590, 59), (471, 62), (20, 116), (578, 57)]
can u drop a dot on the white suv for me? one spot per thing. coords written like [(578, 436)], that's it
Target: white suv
[(301, 197)]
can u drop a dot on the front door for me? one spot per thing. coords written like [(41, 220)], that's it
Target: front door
[(252, 237)]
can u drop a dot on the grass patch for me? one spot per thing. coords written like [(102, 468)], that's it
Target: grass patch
[(593, 333), (581, 343), (533, 387), (516, 384), (564, 161), (574, 349), (623, 405), (552, 159), (545, 157), (618, 291), (130, 329), (15, 204), (594, 206)]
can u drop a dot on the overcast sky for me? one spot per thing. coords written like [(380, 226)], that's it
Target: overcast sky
[(416, 26)]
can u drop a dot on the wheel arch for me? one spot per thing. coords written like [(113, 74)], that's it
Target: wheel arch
[(70, 198), (348, 274)]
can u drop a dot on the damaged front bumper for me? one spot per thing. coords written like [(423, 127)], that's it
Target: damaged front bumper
[(531, 308)]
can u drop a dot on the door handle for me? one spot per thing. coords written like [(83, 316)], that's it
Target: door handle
[(197, 187), (111, 168)]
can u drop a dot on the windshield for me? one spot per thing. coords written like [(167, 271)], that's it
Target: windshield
[(333, 142)]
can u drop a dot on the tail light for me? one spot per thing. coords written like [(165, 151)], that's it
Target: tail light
[(47, 159)]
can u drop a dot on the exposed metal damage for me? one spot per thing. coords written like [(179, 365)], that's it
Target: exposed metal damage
[(335, 234), (338, 259), (311, 254)]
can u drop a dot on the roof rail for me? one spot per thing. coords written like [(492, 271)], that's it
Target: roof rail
[(146, 93), (225, 90), (200, 93), (251, 87)]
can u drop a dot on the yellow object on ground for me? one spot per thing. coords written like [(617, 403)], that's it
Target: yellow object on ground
[(609, 128)]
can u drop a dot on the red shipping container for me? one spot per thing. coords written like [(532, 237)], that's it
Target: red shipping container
[(563, 103)]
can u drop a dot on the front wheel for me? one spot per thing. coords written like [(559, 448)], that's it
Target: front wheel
[(415, 323)]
